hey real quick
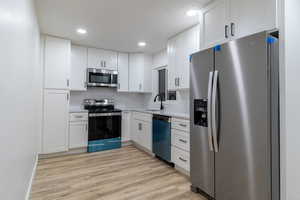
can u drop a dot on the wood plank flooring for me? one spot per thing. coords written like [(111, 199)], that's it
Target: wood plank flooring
[(121, 174)]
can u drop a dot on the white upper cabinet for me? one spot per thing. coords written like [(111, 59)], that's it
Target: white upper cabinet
[(57, 56), (78, 68), (224, 20), (180, 49), (140, 73), (102, 59), (160, 59), (123, 76), (214, 22), (55, 121), (251, 16)]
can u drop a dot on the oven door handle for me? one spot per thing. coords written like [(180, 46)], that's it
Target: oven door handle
[(104, 114)]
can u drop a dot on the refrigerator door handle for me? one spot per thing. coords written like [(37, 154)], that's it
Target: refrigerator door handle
[(209, 124), (213, 110)]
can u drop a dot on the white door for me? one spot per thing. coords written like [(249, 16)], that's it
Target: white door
[(78, 134), (123, 76), (135, 130), (172, 64), (102, 59), (190, 45), (136, 72), (214, 24), (146, 135), (111, 60), (147, 74), (57, 63), (126, 126), (55, 121), (251, 16), (78, 68), (96, 58)]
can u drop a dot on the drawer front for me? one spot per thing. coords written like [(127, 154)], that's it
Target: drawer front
[(181, 140), (181, 158), (180, 124), (142, 116), (77, 117)]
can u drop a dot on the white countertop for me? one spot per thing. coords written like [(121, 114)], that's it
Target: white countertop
[(79, 109), (159, 112)]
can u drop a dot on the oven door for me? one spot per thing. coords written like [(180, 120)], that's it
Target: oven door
[(104, 131)]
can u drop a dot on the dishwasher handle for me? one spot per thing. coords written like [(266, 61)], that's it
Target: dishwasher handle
[(162, 118)]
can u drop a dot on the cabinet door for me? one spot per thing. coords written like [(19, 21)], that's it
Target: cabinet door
[(249, 17), (136, 73), (57, 63), (126, 136), (102, 59), (123, 68), (189, 44), (135, 130), (147, 74), (172, 79), (146, 135), (78, 134), (213, 23), (111, 60), (55, 121), (78, 68)]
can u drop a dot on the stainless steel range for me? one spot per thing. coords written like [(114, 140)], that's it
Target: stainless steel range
[(104, 125)]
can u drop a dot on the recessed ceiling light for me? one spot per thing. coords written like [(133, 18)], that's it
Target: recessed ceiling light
[(192, 13), (81, 31), (142, 44)]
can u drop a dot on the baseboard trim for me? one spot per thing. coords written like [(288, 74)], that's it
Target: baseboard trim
[(27, 197)]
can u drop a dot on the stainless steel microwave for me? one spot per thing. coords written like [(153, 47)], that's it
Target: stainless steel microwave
[(102, 78)]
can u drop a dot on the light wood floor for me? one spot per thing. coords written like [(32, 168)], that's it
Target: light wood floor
[(121, 174)]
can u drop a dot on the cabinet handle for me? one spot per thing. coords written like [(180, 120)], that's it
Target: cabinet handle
[(104, 63), (183, 125), (119, 86), (86, 128), (140, 126), (78, 116), (68, 97), (226, 31), (178, 82), (232, 27), (183, 141), (184, 160), (68, 82)]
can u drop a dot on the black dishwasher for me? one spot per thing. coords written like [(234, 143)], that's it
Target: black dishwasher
[(162, 137)]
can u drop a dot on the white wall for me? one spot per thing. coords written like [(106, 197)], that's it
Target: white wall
[(122, 100), (290, 101), (181, 105), (20, 94)]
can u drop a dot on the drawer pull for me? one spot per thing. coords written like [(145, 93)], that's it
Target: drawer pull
[(184, 160), (183, 141), (78, 117), (183, 125)]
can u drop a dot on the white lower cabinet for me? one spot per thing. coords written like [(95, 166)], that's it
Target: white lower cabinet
[(55, 121), (78, 131), (141, 130), (126, 119), (180, 153)]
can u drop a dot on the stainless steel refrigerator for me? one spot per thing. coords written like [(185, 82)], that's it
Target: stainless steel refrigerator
[(235, 119)]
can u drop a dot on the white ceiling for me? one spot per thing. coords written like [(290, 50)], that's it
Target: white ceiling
[(117, 24)]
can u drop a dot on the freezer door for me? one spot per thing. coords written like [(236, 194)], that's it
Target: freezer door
[(201, 154), (242, 163)]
